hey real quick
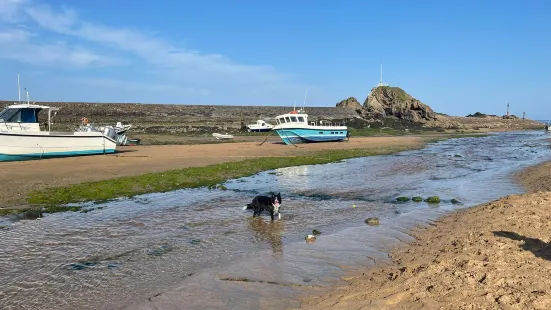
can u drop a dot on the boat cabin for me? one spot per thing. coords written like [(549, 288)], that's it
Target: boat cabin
[(24, 117), (293, 117), (301, 118)]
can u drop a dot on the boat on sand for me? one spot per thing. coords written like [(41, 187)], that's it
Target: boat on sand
[(22, 139), (219, 136), (294, 128)]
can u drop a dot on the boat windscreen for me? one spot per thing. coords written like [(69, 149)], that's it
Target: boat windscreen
[(8, 114)]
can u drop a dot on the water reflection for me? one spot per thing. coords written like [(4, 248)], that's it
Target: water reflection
[(268, 231)]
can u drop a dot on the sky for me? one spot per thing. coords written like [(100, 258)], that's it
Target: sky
[(459, 57)]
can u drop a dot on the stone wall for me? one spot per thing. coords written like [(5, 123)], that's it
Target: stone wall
[(177, 119)]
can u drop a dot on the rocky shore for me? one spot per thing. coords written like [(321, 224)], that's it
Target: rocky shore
[(385, 107), (494, 256), (385, 102)]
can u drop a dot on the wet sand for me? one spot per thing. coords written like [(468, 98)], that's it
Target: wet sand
[(23, 177), (493, 256)]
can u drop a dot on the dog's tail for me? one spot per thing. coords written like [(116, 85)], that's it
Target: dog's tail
[(248, 206)]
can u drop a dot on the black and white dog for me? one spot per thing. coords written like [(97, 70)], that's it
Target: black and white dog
[(265, 203)]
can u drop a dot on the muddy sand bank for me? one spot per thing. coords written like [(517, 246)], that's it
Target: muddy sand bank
[(493, 256), (23, 177)]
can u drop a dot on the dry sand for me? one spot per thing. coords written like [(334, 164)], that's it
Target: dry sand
[(23, 177), (493, 256)]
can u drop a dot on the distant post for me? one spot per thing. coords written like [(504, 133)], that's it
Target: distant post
[(507, 109), (523, 115)]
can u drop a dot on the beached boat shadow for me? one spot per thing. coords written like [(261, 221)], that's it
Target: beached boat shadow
[(268, 231), (538, 247)]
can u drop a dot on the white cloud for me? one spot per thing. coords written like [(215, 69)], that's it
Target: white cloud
[(202, 73), (17, 44)]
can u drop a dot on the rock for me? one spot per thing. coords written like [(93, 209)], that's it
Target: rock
[(455, 201), (316, 232), (221, 187), (372, 221), (433, 199), (351, 102), (310, 238), (402, 199), (195, 241), (417, 199), (389, 101), (457, 155)]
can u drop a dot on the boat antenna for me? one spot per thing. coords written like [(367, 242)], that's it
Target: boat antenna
[(18, 88), (295, 105)]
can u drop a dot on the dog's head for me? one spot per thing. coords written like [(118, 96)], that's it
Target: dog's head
[(276, 202)]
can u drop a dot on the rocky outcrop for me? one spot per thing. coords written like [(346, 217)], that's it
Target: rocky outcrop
[(386, 101), (349, 103)]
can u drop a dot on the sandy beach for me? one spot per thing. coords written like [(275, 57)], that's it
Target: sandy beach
[(23, 177), (493, 256)]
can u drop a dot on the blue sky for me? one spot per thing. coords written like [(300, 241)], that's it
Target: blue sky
[(457, 56)]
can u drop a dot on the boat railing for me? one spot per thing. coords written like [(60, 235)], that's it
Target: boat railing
[(328, 123)]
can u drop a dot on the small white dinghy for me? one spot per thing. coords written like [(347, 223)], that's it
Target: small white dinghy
[(219, 136)]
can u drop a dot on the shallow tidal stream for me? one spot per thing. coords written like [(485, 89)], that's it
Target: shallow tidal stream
[(197, 248)]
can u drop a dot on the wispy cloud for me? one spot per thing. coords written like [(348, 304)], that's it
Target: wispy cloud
[(179, 65), (134, 86)]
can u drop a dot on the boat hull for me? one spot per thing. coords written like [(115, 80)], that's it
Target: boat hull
[(17, 146), (305, 135), (260, 130)]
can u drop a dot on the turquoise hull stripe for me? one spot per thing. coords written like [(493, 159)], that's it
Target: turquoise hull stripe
[(294, 136), (19, 157)]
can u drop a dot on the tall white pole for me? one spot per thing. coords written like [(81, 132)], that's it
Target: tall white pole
[(381, 74), (18, 88)]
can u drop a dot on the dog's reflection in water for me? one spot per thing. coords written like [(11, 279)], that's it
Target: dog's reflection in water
[(268, 231)]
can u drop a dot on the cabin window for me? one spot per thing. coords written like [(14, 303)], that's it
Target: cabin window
[(287, 119), (8, 114), (293, 119), (332, 133), (301, 119), (321, 132), (19, 115)]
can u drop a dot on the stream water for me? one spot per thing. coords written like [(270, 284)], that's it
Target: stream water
[(197, 248)]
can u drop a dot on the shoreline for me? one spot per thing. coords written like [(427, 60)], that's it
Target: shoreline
[(490, 256), (89, 178)]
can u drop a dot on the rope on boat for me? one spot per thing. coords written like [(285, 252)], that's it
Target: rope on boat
[(267, 136), (286, 136)]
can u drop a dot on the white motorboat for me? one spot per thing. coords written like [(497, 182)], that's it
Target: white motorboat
[(22, 139), (260, 126), (222, 137), (121, 129)]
